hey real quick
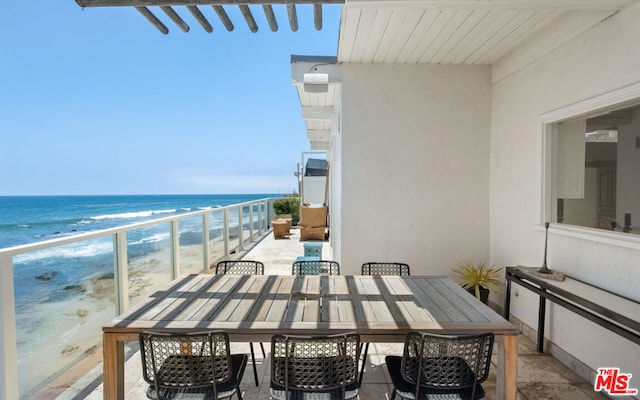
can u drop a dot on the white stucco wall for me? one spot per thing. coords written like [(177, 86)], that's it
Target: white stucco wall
[(415, 143), (604, 58)]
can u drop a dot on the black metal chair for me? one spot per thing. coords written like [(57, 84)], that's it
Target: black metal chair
[(381, 268), (385, 268), (321, 267), (190, 366), (441, 366), (240, 267), (244, 267), (314, 367)]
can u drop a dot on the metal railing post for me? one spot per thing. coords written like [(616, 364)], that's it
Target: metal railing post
[(225, 230), (260, 222), (251, 208), (175, 249), (240, 228), (205, 241), (8, 346), (120, 272)]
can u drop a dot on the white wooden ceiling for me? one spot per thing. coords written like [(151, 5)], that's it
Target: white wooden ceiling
[(459, 31), (319, 110), (446, 32)]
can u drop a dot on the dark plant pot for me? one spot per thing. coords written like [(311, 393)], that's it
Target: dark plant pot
[(484, 294)]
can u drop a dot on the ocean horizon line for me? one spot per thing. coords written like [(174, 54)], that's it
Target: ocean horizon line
[(142, 194)]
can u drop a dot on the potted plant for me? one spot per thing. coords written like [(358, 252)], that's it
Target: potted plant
[(294, 207), (283, 207), (479, 279)]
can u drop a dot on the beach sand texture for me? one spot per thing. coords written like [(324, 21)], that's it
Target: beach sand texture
[(56, 336)]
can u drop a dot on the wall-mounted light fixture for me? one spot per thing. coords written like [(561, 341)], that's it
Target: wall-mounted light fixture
[(316, 82)]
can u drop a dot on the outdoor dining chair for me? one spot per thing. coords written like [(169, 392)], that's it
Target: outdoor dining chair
[(190, 366), (441, 366), (385, 268), (381, 268), (321, 267), (240, 267), (244, 267), (314, 367)]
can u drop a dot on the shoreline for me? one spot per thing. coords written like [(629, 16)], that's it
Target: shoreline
[(71, 347)]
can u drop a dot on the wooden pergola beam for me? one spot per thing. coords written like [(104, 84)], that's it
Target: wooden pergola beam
[(195, 11), (271, 18), (248, 17), (175, 18), (153, 19), (293, 16), (149, 3), (317, 15), (224, 18), (192, 6)]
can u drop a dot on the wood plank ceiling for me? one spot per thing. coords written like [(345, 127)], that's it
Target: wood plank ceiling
[(194, 8), (457, 31)]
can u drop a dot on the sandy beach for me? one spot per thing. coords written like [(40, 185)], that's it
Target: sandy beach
[(60, 341)]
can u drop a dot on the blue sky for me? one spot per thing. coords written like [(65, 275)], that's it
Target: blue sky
[(98, 101)]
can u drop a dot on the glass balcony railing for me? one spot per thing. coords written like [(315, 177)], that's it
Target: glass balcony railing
[(97, 276)]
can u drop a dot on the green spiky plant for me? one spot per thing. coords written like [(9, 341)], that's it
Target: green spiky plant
[(472, 277)]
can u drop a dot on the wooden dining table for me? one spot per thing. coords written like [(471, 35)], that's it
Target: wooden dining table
[(251, 308)]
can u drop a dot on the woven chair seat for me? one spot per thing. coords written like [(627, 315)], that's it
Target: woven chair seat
[(239, 267), (441, 366), (318, 372), (386, 268), (296, 395), (190, 366), (314, 367), (406, 390), (321, 267)]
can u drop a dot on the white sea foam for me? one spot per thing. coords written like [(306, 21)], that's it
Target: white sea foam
[(136, 214), (158, 237), (80, 249)]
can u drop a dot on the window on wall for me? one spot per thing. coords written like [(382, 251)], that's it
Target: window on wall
[(596, 165)]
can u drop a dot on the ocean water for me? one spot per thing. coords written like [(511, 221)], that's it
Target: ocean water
[(29, 219), (65, 293)]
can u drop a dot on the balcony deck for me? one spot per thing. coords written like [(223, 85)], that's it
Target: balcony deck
[(540, 376)]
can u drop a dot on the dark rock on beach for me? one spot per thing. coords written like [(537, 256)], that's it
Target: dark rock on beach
[(75, 288), (47, 276)]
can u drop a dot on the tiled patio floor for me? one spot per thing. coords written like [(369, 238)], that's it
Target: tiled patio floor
[(540, 376)]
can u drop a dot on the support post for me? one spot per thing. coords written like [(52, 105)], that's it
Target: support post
[(225, 231), (175, 249), (205, 241), (8, 346), (541, 316), (120, 272), (240, 228)]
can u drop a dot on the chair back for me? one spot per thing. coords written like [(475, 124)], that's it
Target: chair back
[(446, 362), (321, 267), (240, 267), (185, 361), (385, 268), (317, 364)]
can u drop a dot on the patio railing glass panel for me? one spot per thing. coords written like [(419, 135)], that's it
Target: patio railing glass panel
[(234, 230), (81, 278), (217, 247), (63, 324), (191, 245), (149, 258)]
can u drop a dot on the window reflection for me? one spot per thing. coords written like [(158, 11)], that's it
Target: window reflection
[(598, 170)]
